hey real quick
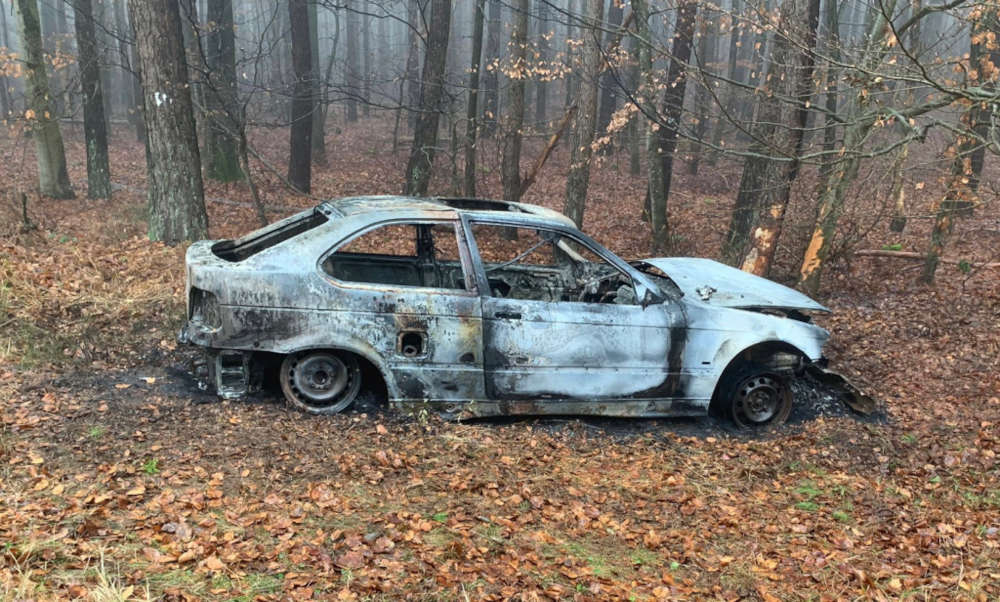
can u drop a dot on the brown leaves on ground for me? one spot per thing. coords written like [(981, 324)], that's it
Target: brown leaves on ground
[(116, 486)]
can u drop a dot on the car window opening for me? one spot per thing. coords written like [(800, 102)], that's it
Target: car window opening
[(410, 254), (542, 265)]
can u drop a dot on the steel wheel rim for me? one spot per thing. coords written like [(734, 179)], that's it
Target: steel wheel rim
[(321, 382), (759, 399)]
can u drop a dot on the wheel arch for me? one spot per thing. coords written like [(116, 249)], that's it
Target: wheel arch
[(780, 355), (371, 362)]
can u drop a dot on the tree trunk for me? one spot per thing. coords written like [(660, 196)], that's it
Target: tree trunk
[(841, 175), (491, 77), (319, 111), (673, 105), (647, 100), (776, 192), (729, 102), (95, 134), (222, 117), (544, 57), (366, 51), (353, 67), (415, 20), (6, 106), (608, 80), (196, 67), (636, 122), (126, 89), (510, 167), (176, 196), (472, 108), (418, 168), (832, 16), (300, 151), (570, 54), (962, 194), (578, 180), (53, 180), (702, 103)]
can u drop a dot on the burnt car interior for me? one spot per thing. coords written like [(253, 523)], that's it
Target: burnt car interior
[(410, 254), (520, 263), (544, 265)]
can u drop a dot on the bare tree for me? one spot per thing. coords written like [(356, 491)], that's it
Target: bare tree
[(300, 154), (966, 152), (669, 124), (418, 168), (491, 78), (94, 124), (517, 72), (176, 197), (53, 179), (220, 93), (472, 108), (578, 180)]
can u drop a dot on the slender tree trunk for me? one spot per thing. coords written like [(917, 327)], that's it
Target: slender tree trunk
[(353, 67), (897, 192), (491, 76), (126, 89), (966, 168), (53, 179), (570, 53), (221, 125), (196, 67), (608, 81), (176, 196), (366, 51), (415, 20), (772, 205), (6, 106), (832, 87), (635, 123), (729, 101), (96, 136), (300, 153), (472, 108), (578, 180), (514, 121), (673, 105), (702, 103), (544, 57), (842, 174), (319, 112), (647, 100), (418, 168)]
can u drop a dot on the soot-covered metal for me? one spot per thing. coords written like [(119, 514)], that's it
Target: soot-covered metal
[(483, 308)]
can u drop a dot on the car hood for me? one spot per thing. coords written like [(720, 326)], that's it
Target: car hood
[(718, 284)]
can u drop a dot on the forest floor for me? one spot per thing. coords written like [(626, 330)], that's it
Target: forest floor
[(121, 480)]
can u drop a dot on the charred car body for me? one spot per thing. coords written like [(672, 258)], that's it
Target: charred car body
[(486, 308)]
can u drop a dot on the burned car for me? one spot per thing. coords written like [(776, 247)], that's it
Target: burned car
[(482, 308)]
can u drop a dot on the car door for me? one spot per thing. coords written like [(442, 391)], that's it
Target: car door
[(411, 286), (547, 336)]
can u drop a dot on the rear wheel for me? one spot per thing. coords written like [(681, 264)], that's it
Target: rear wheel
[(320, 382), (754, 395)]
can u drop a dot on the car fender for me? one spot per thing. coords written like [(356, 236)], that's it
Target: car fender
[(357, 346)]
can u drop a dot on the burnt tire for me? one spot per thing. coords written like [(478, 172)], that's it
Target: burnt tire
[(320, 382), (752, 396)]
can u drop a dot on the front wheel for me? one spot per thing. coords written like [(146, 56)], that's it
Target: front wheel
[(754, 396), (320, 382)]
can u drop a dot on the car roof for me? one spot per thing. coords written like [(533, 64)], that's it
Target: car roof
[(412, 206)]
